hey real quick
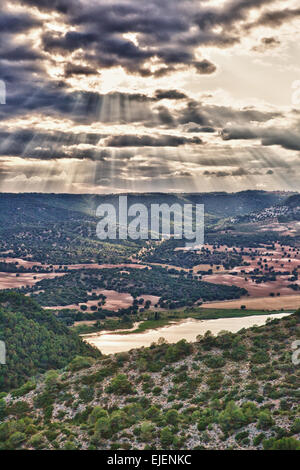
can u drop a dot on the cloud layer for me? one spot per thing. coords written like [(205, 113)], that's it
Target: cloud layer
[(118, 94)]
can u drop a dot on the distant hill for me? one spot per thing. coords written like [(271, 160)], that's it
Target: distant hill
[(33, 207), (293, 201), (285, 211), (61, 228), (35, 340)]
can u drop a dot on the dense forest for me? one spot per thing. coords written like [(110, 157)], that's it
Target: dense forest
[(165, 253), (35, 341), (174, 289)]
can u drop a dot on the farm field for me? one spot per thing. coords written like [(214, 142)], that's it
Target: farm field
[(30, 264), (289, 302), (252, 263), (280, 286), (262, 271), (10, 281), (114, 301)]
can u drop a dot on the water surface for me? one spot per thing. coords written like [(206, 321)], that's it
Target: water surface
[(189, 329)]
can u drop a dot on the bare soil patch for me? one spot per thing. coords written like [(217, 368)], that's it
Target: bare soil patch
[(114, 301), (11, 281), (289, 302)]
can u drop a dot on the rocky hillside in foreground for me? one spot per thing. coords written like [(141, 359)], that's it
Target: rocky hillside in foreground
[(233, 391)]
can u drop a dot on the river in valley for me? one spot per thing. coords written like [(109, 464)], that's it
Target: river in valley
[(189, 329)]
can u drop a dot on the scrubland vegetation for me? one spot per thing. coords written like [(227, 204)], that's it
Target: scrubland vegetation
[(233, 391)]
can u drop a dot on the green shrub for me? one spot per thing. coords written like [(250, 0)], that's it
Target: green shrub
[(265, 420), (2, 409), (232, 417), (80, 362), (26, 388), (286, 443), (172, 417), (97, 413), (86, 394), (16, 440), (258, 439), (120, 385), (295, 429), (214, 362), (37, 441), (166, 437), (147, 430), (103, 428)]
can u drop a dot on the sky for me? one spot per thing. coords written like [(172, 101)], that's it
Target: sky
[(111, 96)]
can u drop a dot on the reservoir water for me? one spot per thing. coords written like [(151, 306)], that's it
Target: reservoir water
[(189, 329)]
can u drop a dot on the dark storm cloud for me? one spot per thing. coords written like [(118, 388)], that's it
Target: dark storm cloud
[(53, 98), (170, 95), (153, 18), (73, 70), (150, 141), (167, 35), (194, 112), (217, 116), (97, 49), (16, 74), (16, 23), (21, 63), (217, 174), (57, 145), (286, 138), (61, 6), (166, 30), (18, 59), (165, 116), (69, 42), (236, 172), (227, 15), (12, 53), (85, 107), (48, 146), (238, 133), (275, 18), (205, 67), (205, 129), (266, 43)]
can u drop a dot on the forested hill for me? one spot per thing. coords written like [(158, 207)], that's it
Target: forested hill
[(44, 208), (35, 341)]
